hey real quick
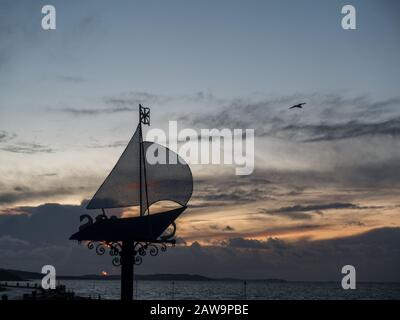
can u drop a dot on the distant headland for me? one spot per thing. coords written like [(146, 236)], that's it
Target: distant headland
[(19, 275)]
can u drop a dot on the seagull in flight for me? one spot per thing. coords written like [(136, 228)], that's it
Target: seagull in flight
[(300, 105)]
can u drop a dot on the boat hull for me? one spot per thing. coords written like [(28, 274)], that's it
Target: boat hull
[(141, 229)]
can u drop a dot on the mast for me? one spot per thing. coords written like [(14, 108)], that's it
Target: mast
[(144, 173), (144, 117), (140, 159)]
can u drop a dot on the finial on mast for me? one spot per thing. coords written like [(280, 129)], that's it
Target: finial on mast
[(144, 115)]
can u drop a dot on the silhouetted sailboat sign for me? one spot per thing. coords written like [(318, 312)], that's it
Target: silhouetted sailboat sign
[(135, 181)]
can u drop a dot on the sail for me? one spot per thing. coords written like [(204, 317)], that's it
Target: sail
[(170, 181)]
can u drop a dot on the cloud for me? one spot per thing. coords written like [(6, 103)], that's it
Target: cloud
[(8, 144), (347, 130), (375, 255), (27, 148), (285, 229), (6, 136), (294, 182), (135, 98), (95, 112), (321, 120), (292, 215), (21, 193), (217, 227), (39, 235), (318, 207), (50, 174), (48, 223), (302, 212), (276, 230), (355, 223), (115, 144), (270, 243), (229, 228), (225, 189), (270, 186), (336, 141), (129, 101)]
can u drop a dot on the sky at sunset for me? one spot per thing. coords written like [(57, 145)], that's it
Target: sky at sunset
[(325, 188)]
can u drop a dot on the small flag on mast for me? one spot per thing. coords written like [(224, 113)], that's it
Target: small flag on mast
[(144, 115)]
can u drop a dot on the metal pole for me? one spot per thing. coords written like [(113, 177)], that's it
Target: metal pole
[(144, 173), (140, 158), (127, 263)]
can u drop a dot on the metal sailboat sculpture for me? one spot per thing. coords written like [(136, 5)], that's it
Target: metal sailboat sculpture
[(134, 181)]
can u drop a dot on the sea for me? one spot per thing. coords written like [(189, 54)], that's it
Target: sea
[(226, 290)]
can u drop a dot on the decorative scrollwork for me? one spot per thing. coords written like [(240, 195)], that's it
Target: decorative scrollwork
[(90, 245), (140, 250), (115, 248), (153, 250), (116, 261), (100, 250), (138, 260)]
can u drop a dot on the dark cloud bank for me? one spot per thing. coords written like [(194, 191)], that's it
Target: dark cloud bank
[(39, 235)]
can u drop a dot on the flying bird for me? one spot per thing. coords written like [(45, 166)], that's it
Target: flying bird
[(300, 105)]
